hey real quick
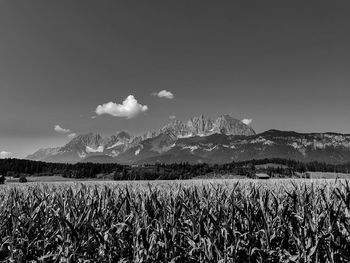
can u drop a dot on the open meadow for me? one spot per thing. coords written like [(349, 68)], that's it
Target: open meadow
[(176, 221)]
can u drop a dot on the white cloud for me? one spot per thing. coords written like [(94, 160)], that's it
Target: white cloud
[(172, 117), (59, 129), (128, 109), (247, 121), (72, 135), (4, 154), (164, 94)]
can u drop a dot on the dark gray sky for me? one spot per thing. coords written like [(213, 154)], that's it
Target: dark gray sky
[(285, 64)]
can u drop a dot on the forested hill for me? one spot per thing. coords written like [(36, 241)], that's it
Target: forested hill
[(13, 167)]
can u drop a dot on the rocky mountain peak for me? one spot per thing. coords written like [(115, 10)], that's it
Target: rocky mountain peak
[(175, 129), (228, 125), (120, 138), (123, 135), (200, 125), (80, 142), (203, 126)]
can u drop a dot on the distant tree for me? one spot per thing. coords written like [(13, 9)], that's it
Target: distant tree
[(116, 175), (124, 175), (23, 179), (2, 179)]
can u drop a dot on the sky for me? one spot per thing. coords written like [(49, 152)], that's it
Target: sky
[(71, 67)]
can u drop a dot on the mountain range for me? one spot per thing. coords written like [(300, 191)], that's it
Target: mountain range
[(201, 139)]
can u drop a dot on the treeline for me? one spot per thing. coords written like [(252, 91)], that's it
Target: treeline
[(174, 171), (20, 167), (278, 168), (301, 167)]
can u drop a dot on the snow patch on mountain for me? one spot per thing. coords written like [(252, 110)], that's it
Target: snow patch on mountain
[(99, 149), (185, 136), (211, 149), (191, 148), (115, 145), (295, 145), (268, 142), (114, 153), (82, 155)]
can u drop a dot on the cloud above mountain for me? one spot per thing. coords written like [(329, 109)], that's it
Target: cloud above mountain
[(129, 108), (164, 94), (59, 129), (247, 121), (62, 130), (72, 135), (4, 154), (172, 117)]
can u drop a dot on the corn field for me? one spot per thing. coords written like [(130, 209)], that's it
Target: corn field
[(225, 221)]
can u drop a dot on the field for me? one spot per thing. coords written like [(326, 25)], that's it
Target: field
[(36, 179), (178, 221), (323, 175), (55, 178)]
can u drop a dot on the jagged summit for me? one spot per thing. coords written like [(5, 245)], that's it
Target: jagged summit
[(123, 135), (228, 125), (203, 126), (80, 142), (200, 125)]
